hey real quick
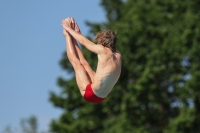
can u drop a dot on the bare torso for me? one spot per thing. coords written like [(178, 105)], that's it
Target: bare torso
[(107, 73)]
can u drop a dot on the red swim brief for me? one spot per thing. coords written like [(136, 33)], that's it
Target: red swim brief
[(90, 96)]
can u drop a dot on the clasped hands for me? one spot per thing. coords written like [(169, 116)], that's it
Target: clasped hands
[(69, 23)]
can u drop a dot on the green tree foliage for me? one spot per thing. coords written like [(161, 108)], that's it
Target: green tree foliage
[(158, 90), (27, 125)]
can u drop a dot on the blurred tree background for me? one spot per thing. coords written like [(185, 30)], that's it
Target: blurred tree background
[(159, 88), (27, 125)]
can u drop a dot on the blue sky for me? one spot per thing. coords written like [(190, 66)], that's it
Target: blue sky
[(31, 46)]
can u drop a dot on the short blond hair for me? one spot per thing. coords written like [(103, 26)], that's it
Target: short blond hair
[(107, 38)]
